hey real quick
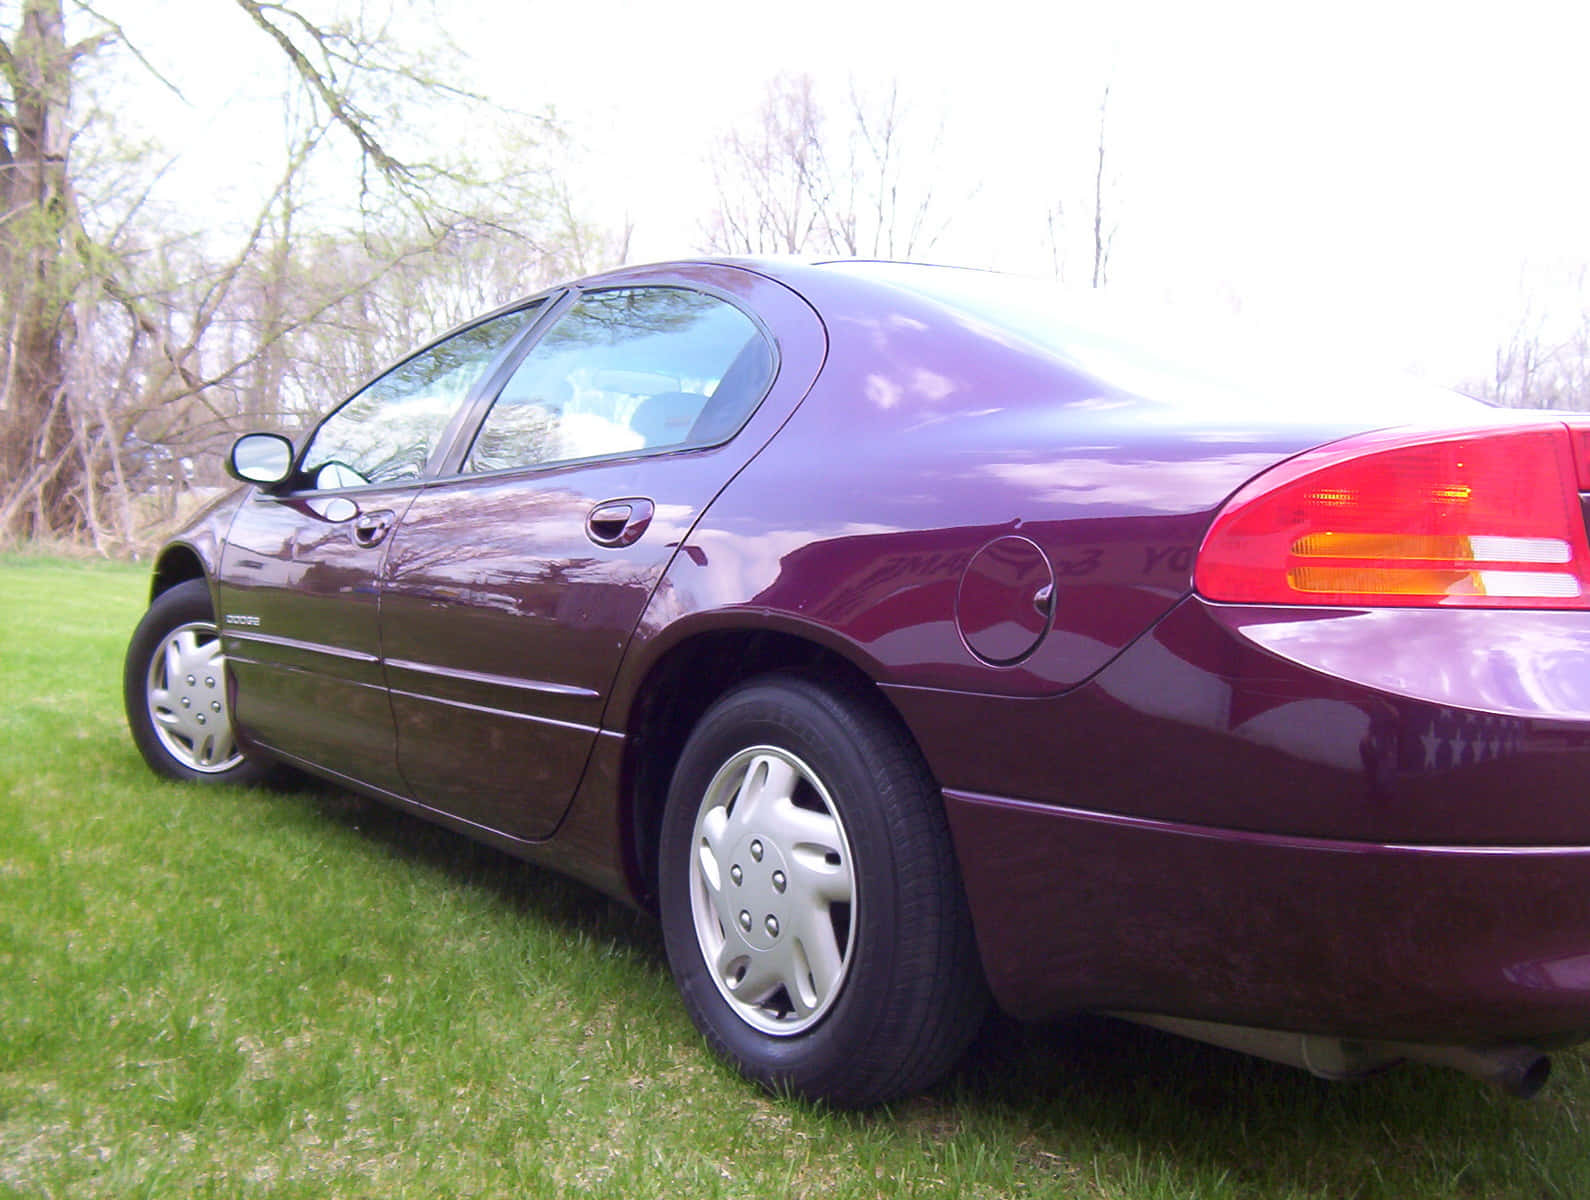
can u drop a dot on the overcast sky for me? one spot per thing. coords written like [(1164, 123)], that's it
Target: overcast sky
[(1404, 177)]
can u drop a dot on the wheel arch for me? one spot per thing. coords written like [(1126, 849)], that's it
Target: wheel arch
[(678, 687), (178, 563)]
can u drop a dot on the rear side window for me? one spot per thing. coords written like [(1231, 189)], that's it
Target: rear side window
[(389, 430), (628, 370)]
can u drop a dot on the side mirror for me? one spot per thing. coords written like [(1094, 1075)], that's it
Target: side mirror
[(264, 458)]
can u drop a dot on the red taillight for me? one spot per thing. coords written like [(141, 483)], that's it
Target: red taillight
[(1483, 519)]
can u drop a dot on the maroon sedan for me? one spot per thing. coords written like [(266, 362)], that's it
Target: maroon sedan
[(904, 639)]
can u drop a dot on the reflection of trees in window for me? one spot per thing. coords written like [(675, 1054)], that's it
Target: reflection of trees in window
[(519, 432), (613, 317), (582, 390), (389, 430)]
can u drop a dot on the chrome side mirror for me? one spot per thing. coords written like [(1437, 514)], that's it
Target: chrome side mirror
[(264, 458)]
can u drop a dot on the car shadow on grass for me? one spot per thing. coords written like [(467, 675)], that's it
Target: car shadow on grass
[(522, 886), (1094, 1093)]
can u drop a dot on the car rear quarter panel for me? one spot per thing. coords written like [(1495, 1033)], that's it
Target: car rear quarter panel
[(926, 438), (1197, 723)]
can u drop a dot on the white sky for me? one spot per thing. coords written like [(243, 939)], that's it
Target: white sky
[(1402, 176)]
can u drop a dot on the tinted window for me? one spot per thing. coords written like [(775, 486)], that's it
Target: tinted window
[(627, 370), (389, 430)]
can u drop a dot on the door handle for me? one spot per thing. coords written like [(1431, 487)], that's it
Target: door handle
[(371, 527), (616, 523)]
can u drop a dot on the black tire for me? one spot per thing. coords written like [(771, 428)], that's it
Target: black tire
[(908, 995), (194, 742)]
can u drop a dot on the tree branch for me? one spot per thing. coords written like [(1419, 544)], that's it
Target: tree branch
[(89, 45), (113, 32), (1101, 244), (356, 123)]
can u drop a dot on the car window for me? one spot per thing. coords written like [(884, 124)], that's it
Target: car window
[(389, 430), (628, 370)]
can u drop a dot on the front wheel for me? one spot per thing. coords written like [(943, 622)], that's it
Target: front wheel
[(811, 905), (174, 687)]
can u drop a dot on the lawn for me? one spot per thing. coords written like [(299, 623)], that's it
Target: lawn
[(231, 993)]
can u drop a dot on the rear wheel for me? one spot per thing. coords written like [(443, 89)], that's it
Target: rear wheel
[(174, 687), (811, 906)]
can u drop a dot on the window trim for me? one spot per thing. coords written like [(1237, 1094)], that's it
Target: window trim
[(451, 465)]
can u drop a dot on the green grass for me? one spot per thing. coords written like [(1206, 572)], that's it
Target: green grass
[(229, 993)]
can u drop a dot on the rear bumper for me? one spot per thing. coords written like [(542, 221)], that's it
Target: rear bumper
[(1462, 944), (1365, 824)]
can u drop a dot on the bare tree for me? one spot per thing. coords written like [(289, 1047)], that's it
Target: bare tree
[(796, 181), (772, 177), (1534, 370), (38, 231), (1102, 227), (1101, 239), (129, 354)]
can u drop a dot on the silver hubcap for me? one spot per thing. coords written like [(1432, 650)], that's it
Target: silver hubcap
[(187, 699), (772, 890)]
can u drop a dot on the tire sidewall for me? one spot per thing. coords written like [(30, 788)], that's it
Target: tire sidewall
[(797, 717), (186, 603)]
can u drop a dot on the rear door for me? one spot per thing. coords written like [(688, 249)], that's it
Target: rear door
[(513, 585), (298, 581)]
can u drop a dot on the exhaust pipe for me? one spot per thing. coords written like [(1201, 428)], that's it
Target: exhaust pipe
[(1518, 1070)]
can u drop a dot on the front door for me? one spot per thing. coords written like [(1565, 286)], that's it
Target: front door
[(298, 586), (299, 622)]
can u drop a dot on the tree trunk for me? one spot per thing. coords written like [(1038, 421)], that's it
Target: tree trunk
[(39, 465)]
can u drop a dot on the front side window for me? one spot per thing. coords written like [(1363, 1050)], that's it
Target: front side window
[(389, 430), (628, 370)]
